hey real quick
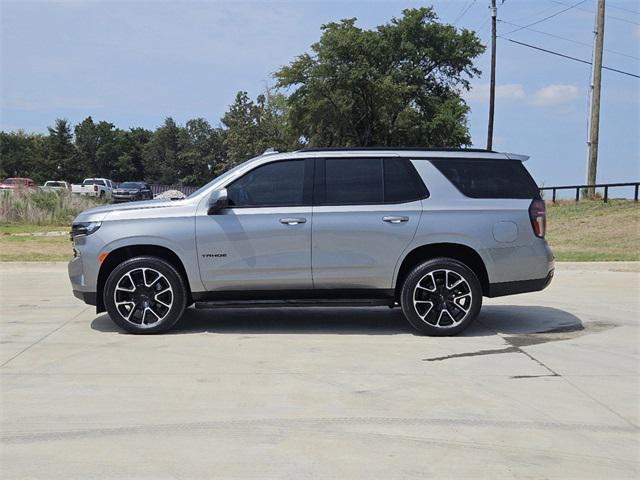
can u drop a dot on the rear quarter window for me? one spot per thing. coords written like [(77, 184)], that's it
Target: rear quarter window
[(489, 178)]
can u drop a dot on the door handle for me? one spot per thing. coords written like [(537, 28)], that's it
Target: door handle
[(293, 221), (395, 219)]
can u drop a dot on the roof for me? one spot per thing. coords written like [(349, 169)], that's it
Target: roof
[(402, 149), (410, 152)]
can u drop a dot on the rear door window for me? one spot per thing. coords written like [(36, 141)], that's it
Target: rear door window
[(489, 178), (367, 181), (353, 181)]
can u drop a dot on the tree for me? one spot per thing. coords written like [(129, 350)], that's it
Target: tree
[(96, 145), (397, 85), (22, 154), (130, 162), (60, 161), (161, 153), (203, 154), (254, 127)]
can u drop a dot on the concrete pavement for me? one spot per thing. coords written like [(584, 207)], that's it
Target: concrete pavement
[(544, 385)]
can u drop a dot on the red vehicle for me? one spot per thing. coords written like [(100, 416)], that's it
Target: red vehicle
[(10, 183)]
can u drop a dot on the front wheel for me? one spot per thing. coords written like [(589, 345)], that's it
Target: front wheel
[(145, 295), (441, 297)]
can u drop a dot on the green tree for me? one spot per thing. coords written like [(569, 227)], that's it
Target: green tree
[(60, 160), (97, 148), (203, 153), (161, 164), (253, 127), (397, 85), (130, 162), (22, 154)]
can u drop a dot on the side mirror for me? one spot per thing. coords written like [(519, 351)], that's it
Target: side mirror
[(218, 201)]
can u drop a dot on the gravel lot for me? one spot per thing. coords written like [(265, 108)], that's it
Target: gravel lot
[(544, 385)]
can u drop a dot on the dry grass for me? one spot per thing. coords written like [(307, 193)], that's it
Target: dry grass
[(594, 230), (37, 207)]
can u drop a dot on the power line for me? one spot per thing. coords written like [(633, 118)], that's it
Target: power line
[(613, 17), (624, 9), (464, 11), (577, 42), (548, 17), (567, 56)]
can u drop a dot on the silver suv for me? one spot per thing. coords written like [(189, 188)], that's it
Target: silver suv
[(431, 231)]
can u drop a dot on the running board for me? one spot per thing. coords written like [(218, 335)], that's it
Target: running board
[(313, 302)]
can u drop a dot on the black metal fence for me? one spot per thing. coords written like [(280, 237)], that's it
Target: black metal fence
[(158, 189), (605, 186)]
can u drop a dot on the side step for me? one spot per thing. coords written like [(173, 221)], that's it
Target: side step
[(313, 302)]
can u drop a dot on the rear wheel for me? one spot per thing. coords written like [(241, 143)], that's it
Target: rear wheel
[(441, 297), (145, 295)]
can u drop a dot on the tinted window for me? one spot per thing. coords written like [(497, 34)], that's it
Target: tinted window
[(93, 182), (274, 184), (353, 181), (489, 178), (401, 181)]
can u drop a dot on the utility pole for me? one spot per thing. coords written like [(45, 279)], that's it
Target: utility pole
[(596, 83), (492, 86)]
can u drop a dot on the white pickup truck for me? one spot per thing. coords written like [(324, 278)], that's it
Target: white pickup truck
[(94, 187)]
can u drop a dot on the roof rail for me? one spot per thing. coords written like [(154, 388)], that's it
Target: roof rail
[(270, 151), (412, 149)]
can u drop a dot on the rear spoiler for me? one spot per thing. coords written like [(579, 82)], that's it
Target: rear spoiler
[(516, 156)]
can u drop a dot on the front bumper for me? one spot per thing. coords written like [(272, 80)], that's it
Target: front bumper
[(123, 198)]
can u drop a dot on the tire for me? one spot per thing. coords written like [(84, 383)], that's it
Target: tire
[(101, 194), (441, 297), (151, 295)]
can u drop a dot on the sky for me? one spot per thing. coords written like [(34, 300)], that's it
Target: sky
[(135, 62)]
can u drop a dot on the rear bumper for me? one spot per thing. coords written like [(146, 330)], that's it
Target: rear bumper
[(90, 298), (519, 286)]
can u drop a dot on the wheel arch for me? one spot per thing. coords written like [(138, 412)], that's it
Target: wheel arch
[(457, 251), (119, 255)]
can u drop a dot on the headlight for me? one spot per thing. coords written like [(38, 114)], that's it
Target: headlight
[(83, 228)]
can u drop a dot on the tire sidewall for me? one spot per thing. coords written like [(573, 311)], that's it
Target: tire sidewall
[(418, 273), (173, 277)]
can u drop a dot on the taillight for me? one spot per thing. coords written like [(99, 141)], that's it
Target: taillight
[(95, 188), (538, 216)]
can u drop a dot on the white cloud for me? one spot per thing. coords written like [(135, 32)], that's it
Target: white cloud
[(510, 91), (554, 95)]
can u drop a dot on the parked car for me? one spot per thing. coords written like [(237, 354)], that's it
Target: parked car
[(17, 182), (94, 187), (55, 185), (430, 231), (130, 191)]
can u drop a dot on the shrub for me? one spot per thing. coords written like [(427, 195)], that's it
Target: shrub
[(39, 207)]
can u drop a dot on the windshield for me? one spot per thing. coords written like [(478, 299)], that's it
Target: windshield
[(12, 181), (54, 184), (130, 185), (93, 182), (221, 177)]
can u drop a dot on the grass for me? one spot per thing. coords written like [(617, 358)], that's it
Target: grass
[(34, 249), (578, 232), (26, 212), (37, 207), (594, 231)]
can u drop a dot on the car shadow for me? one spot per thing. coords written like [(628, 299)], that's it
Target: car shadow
[(493, 320)]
